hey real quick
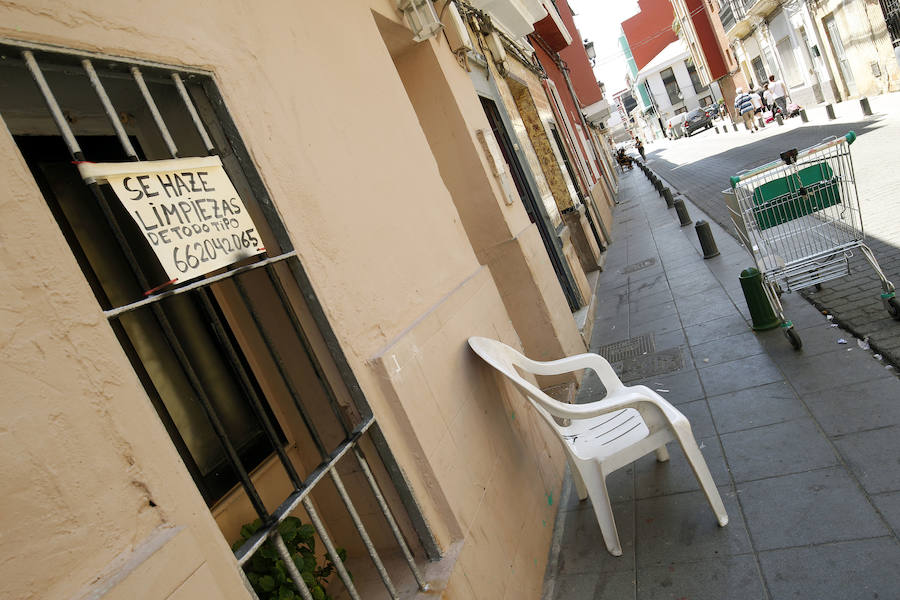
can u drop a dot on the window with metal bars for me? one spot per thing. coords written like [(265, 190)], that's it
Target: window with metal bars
[(240, 364), (891, 11)]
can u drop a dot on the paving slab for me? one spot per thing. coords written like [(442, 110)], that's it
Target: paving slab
[(872, 456), (858, 570), (739, 374), (727, 349), (583, 537), (788, 447), (889, 507), (654, 478), (756, 407), (807, 508), (681, 528), (856, 407), (733, 577)]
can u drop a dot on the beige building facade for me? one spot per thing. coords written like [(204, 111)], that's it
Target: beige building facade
[(857, 47), (146, 420), (823, 50)]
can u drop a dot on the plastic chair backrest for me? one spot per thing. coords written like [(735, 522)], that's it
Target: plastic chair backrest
[(506, 360)]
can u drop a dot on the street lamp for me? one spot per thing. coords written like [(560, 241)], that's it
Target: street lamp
[(420, 18), (591, 53)]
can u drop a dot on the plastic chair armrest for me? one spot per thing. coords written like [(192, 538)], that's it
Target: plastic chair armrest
[(630, 398), (595, 362)]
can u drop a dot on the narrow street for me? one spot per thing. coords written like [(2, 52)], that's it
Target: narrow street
[(700, 166)]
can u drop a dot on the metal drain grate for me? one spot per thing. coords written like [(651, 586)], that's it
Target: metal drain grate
[(650, 365), (647, 262), (630, 348)]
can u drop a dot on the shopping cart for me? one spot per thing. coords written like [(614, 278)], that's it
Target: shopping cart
[(799, 219)]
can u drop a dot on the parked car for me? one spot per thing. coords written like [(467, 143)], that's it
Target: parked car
[(674, 128), (698, 118)]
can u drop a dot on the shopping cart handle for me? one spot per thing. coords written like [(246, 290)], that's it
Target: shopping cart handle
[(850, 137), (789, 156)]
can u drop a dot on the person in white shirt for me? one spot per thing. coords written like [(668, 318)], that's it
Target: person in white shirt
[(768, 99), (778, 92), (757, 101)]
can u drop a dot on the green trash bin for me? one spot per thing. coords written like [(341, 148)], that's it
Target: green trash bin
[(760, 308)]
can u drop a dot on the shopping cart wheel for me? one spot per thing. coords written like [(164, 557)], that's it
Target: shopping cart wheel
[(793, 338), (893, 308)]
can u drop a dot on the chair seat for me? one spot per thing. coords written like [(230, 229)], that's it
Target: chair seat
[(604, 435)]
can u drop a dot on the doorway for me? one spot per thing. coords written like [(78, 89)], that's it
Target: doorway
[(840, 54), (530, 202)]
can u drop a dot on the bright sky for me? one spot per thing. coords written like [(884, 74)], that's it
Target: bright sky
[(600, 21)]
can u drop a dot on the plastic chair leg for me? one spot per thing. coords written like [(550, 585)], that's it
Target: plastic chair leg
[(704, 477), (580, 488), (662, 454), (596, 486)]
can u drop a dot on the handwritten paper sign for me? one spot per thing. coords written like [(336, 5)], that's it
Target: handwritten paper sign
[(186, 208)]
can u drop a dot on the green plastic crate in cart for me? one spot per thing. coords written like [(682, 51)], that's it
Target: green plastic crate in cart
[(780, 201)]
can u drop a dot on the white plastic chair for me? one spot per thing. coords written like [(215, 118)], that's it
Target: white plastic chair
[(628, 423)]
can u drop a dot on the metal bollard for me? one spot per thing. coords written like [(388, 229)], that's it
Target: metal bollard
[(734, 125), (761, 122), (659, 186), (864, 104), (717, 129), (779, 119), (682, 211), (707, 241), (667, 194), (803, 116), (829, 110)]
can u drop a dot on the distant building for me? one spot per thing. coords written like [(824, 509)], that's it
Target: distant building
[(672, 82), (645, 120), (827, 50), (697, 23)]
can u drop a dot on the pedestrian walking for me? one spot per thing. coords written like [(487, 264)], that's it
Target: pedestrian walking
[(779, 93), (757, 101), (768, 99), (640, 147), (743, 104)]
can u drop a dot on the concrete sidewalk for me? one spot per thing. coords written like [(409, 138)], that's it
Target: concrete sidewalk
[(805, 446)]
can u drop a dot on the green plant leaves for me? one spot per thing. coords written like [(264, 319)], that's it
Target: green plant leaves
[(266, 583), (286, 593), (268, 574)]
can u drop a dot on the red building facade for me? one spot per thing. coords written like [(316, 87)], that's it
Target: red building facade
[(650, 31), (555, 54)]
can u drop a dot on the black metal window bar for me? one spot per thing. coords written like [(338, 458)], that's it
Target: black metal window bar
[(891, 10), (352, 433)]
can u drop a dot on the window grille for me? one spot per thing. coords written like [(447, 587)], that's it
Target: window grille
[(211, 352), (891, 11)]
